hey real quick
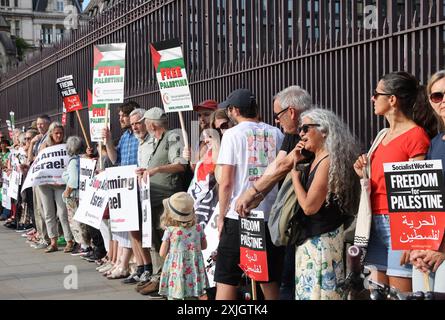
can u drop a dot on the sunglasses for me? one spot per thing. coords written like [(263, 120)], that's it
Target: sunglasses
[(436, 97), (377, 94), (305, 127), (223, 126), (276, 116)]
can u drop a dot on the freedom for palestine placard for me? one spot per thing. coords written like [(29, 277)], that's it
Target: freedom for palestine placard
[(415, 192)]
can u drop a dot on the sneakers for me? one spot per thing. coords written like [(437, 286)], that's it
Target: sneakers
[(61, 241), (40, 245), (132, 279), (145, 277), (155, 296)]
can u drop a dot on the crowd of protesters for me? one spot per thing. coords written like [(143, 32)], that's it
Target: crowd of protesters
[(240, 163)]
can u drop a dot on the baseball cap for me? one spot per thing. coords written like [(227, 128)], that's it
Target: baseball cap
[(211, 105), (154, 113), (240, 98)]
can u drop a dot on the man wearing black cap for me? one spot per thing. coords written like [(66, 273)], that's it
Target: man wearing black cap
[(246, 151)]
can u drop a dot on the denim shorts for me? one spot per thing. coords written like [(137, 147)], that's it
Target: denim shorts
[(380, 253)]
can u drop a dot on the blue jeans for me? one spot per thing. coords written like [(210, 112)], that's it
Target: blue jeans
[(380, 253)]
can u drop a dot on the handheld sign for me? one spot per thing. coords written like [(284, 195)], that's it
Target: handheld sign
[(97, 119), (109, 73), (146, 213), (172, 76), (93, 202), (69, 94), (123, 198), (47, 167), (415, 192), (253, 254)]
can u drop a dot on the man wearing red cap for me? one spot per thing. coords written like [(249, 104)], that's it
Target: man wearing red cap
[(204, 109)]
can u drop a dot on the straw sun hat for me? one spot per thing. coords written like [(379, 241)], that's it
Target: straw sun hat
[(180, 207)]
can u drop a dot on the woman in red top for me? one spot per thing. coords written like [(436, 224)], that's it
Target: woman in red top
[(400, 99)]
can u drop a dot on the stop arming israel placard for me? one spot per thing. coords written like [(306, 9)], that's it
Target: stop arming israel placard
[(146, 213), (253, 254), (415, 192), (172, 75), (48, 167), (94, 201), (109, 73), (69, 94), (123, 198)]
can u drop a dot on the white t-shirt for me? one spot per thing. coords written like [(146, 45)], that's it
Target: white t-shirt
[(250, 147)]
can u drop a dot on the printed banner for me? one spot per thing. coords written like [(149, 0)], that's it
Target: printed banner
[(94, 201), (97, 119), (123, 198), (253, 254), (14, 183), (415, 193), (48, 167), (211, 232), (146, 214), (172, 76), (86, 173), (71, 99), (6, 201), (109, 73)]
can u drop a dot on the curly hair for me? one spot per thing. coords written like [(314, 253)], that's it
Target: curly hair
[(343, 149)]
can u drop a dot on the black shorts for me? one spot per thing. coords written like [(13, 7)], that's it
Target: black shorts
[(227, 270)]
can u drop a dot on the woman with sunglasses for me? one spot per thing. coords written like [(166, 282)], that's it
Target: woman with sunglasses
[(430, 261), (327, 193), (401, 100)]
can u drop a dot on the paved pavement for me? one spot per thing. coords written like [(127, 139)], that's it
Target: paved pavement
[(28, 274)]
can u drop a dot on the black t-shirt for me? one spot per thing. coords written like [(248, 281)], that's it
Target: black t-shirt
[(290, 141)]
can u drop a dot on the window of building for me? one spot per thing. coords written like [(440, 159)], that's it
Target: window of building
[(59, 34), (17, 28), (16, 3), (59, 6), (46, 35), (4, 3)]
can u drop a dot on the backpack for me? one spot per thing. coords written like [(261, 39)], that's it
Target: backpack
[(282, 212)]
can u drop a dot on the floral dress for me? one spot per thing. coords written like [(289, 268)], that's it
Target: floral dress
[(319, 267), (183, 274)]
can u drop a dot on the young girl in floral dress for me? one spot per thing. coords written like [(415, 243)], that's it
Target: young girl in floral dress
[(183, 274)]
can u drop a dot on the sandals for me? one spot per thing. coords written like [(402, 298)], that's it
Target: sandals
[(51, 248), (119, 273), (69, 247)]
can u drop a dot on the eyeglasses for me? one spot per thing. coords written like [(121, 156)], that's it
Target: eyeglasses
[(277, 115), (377, 94), (436, 97), (305, 127), (27, 138)]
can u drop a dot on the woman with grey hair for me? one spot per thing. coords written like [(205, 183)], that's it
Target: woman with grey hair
[(51, 195), (74, 148), (327, 191)]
